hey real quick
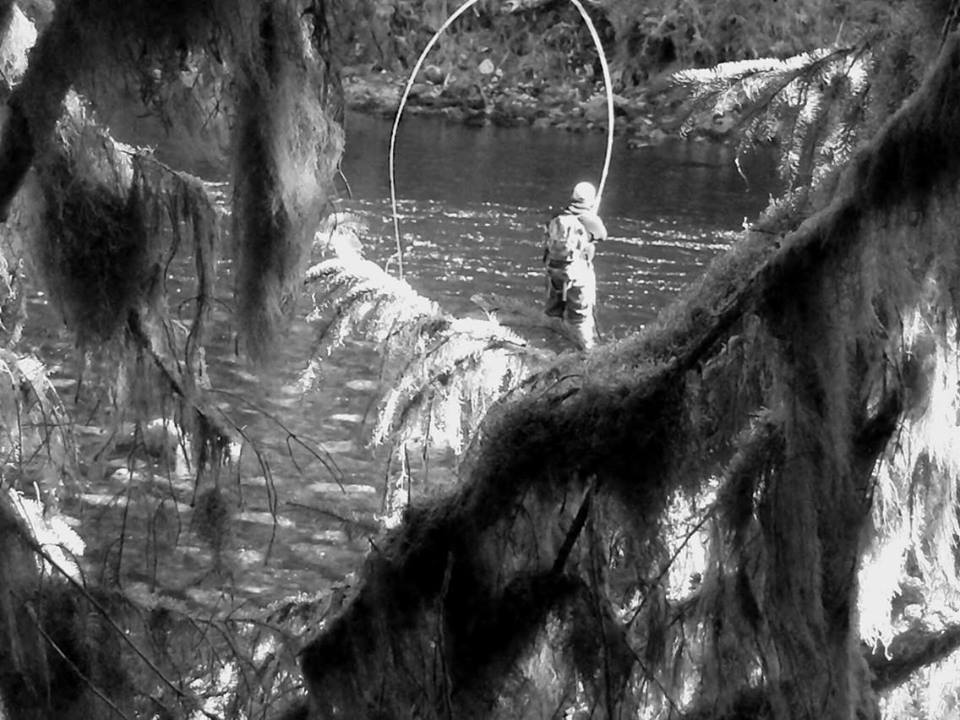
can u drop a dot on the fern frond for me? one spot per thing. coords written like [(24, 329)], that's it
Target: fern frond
[(362, 295), (464, 368), (442, 372), (61, 545), (339, 234), (807, 130), (745, 86), (37, 445)]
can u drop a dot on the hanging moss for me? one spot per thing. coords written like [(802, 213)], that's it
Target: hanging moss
[(92, 244), (286, 150)]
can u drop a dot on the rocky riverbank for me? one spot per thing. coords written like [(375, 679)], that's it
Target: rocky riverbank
[(647, 116)]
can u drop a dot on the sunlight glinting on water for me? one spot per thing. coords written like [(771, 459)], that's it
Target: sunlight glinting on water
[(496, 248)]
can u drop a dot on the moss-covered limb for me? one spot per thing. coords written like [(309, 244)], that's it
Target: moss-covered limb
[(910, 651), (286, 152), (470, 653), (758, 274), (35, 104), (891, 666), (485, 650), (100, 37), (409, 574), (623, 415), (102, 221)]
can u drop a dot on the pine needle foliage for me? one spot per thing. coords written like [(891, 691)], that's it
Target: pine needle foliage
[(811, 104), (441, 373), (818, 105)]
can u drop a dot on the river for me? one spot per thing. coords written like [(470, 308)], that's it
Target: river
[(472, 204)]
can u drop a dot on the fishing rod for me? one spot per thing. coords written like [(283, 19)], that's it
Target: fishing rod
[(607, 83)]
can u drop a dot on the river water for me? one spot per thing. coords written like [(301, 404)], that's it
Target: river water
[(472, 204), (474, 201)]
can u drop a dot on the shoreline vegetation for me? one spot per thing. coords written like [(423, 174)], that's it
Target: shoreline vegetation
[(646, 116), (532, 63)]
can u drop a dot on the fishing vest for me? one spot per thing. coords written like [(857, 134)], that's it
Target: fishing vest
[(567, 241)]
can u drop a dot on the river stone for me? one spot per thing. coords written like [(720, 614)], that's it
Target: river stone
[(595, 109), (339, 447), (89, 431), (332, 537), (309, 551), (125, 475), (361, 385), (332, 487), (249, 556), (62, 384), (98, 499), (433, 74), (264, 518), (418, 89)]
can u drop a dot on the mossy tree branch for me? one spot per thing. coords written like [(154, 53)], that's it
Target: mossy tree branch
[(625, 405), (35, 104), (910, 651), (891, 666)]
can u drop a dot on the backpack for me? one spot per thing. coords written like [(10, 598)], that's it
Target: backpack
[(566, 239)]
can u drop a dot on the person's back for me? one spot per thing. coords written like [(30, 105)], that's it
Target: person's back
[(567, 242)]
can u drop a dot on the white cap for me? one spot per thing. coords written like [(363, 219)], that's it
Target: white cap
[(584, 192)]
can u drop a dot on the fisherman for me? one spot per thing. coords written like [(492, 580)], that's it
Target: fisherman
[(568, 255)]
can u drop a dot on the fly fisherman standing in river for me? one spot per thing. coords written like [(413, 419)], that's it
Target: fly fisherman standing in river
[(568, 255)]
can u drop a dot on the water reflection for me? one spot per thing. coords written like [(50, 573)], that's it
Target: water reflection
[(458, 167), (473, 202)]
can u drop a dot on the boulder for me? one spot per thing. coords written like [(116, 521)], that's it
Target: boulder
[(434, 74)]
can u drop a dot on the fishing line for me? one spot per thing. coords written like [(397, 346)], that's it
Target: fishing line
[(608, 87)]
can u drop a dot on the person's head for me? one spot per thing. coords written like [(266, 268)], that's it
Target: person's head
[(584, 194)]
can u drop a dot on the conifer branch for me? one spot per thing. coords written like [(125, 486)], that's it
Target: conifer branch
[(441, 372), (803, 101)]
